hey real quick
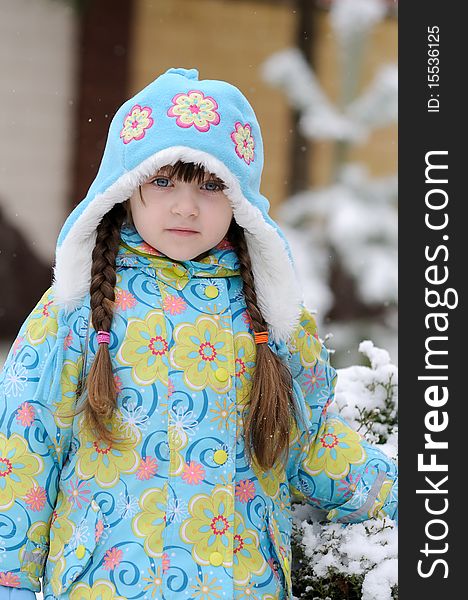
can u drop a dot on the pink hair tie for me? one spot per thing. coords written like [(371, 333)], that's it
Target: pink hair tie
[(103, 337)]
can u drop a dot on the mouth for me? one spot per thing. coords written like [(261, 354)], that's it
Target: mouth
[(182, 231)]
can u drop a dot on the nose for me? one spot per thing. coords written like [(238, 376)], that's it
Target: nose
[(185, 201)]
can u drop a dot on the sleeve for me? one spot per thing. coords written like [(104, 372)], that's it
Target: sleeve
[(9, 593), (38, 387), (333, 467)]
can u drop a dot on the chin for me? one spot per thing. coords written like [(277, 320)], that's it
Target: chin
[(179, 257)]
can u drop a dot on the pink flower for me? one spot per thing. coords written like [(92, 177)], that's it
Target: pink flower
[(245, 490), (314, 380), (118, 383), (325, 407), (45, 309), (112, 559), (99, 530), (67, 342), (136, 123), (16, 344), (36, 498), (274, 567), (25, 414), (10, 579), (124, 299), (193, 473), (194, 108), (147, 249), (174, 305), (348, 487), (77, 492), (148, 467), (247, 319), (170, 387), (166, 562), (244, 142)]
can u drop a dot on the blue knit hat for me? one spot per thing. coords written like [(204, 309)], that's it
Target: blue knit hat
[(207, 122)]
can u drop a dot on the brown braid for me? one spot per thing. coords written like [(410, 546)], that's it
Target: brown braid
[(271, 406), (101, 399)]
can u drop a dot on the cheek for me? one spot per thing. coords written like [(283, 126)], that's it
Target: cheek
[(225, 210), (146, 214)]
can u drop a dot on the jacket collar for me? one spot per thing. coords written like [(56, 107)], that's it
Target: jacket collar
[(221, 261)]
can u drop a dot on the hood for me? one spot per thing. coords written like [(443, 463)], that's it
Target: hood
[(207, 122)]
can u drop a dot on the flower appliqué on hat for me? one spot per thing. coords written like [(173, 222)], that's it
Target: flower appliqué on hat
[(244, 141), (136, 123), (194, 108)]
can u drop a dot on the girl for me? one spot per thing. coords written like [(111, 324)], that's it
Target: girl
[(170, 391)]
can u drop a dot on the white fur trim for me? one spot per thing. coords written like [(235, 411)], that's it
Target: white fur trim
[(278, 292)]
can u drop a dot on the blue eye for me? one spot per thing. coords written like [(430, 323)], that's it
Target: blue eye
[(159, 179), (217, 186)]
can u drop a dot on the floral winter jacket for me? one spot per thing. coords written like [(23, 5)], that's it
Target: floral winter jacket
[(178, 513)]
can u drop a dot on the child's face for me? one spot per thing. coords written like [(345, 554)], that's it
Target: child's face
[(170, 204)]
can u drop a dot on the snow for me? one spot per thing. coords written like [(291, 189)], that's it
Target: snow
[(354, 18), (369, 549), (367, 397), (289, 71), (378, 105)]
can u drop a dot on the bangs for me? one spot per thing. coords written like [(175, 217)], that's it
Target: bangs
[(186, 172)]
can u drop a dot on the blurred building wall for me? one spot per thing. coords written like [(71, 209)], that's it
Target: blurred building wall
[(224, 40), (37, 62)]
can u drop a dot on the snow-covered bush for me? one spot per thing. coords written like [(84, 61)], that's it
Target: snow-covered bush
[(357, 561)]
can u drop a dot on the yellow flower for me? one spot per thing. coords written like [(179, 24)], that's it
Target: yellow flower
[(244, 141), (43, 320), (169, 274), (145, 349), (249, 592), (155, 581), (224, 414), (270, 480), (63, 413), (61, 527), (100, 590), (194, 109), (57, 570), (248, 560), (39, 532), (336, 448), (205, 589), (105, 462), (151, 521), (210, 526), (136, 122), (18, 469), (34, 552), (306, 341), (203, 352), (246, 353), (376, 509), (178, 440)]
